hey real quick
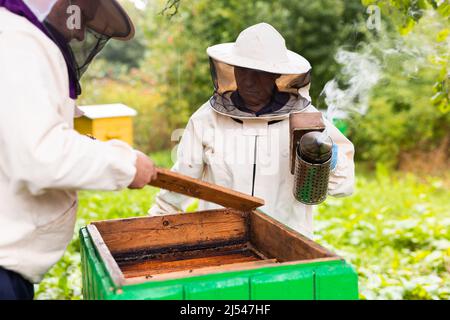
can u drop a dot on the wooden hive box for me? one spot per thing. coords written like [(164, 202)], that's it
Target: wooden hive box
[(233, 253), (107, 122)]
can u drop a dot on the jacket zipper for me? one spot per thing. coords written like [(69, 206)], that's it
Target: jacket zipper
[(254, 166)]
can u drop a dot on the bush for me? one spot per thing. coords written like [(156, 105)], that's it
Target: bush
[(152, 127), (396, 231), (401, 118)]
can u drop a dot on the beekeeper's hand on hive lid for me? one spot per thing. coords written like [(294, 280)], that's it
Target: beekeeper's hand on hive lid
[(145, 172), (45, 47)]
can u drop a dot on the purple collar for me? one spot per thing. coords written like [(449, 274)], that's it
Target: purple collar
[(18, 7)]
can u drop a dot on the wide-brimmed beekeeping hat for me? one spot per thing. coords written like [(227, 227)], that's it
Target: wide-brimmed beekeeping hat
[(101, 20), (112, 20), (109, 19), (259, 47)]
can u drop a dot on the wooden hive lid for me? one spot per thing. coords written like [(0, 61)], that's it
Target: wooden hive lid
[(195, 188)]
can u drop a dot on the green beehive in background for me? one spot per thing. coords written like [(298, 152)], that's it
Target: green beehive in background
[(231, 253)]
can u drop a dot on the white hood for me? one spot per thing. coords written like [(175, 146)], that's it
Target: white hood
[(40, 8)]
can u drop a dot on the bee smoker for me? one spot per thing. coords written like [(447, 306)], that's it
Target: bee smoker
[(311, 152)]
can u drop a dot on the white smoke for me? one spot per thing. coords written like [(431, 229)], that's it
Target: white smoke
[(363, 73), (385, 53)]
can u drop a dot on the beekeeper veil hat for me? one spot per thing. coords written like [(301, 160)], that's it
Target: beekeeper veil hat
[(81, 28), (259, 47)]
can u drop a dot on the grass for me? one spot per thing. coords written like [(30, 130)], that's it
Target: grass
[(395, 230)]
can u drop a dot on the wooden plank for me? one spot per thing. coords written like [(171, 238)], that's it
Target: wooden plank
[(154, 267), (256, 251), (227, 198), (278, 241), (111, 265), (174, 232), (185, 260), (203, 271), (186, 253)]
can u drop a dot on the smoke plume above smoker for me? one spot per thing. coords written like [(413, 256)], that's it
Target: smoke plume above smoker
[(362, 72), (383, 53)]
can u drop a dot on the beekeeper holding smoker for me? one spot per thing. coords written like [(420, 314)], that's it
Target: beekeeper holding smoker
[(45, 47), (240, 138)]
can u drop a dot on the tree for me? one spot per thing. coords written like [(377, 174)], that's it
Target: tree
[(406, 14)]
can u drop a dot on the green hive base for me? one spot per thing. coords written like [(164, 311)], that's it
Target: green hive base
[(327, 280)]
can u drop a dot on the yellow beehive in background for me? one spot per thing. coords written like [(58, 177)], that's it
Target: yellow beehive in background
[(107, 122)]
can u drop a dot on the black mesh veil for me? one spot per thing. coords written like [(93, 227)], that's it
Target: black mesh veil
[(225, 85), (81, 41), (85, 51)]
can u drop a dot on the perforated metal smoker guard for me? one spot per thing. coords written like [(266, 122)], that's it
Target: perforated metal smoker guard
[(311, 181)]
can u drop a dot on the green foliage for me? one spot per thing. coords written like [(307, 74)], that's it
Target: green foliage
[(152, 126), (401, 118), (127, 54), (396, 231), (406, 14)]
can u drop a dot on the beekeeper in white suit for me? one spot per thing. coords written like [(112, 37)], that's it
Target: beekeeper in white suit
[(240, 138), (45, 46)]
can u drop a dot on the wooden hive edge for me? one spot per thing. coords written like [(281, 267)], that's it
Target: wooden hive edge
[(119, 279), (108, 260)]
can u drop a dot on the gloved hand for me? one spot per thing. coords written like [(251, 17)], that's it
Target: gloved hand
[(334, 156)]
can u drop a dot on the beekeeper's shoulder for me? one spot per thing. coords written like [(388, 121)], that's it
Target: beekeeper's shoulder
[(18, 33), (204, 114)]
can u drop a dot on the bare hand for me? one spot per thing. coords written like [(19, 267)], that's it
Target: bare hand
[(145, 172)]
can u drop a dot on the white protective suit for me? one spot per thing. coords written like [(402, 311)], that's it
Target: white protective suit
[(42, 159), (220, 150), (232, 148)]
